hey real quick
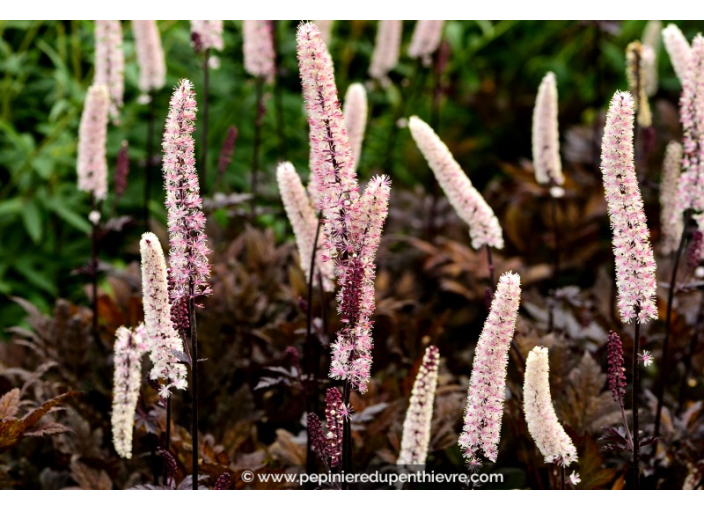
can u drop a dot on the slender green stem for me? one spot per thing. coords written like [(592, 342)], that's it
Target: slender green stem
[(556, 263), (636, 393), (194, 387), (167, 436), (204, 123), (94, 268)]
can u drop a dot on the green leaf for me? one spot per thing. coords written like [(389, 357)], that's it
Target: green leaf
[(70, 217), (32, 219)]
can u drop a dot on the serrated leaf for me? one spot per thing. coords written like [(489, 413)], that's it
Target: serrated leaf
[(47, 429), (10, 404)]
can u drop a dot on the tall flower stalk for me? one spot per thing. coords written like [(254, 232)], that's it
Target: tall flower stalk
[(634, 260), (188, 248), (678, 49), (484, 229), (638, 59), (355, 113), (386, 49), (416, 426), (152, 77), (671, 222), (487, 384), (426, 39), (110, 63), (545, 429)]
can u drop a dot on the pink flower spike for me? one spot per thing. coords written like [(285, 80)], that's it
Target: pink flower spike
[(386, 48), (207, 34), (678, 49), (259, 49), (426, 39), (487, 384), (188, 253), (551, 439), (110, 62), (484, 228), (416, 426), (163, 338), (671, 220), (546, 136), (355, 113), (325, 27), (92, 136), (635, 263), (150, 56)]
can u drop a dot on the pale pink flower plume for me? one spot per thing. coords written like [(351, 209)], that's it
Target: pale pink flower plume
[(484, 228), (635, 263), (691, 184), (325, 28), (259, 49), (386, 48), (552, 440), (355, 113), (208, 32), (130, 346), (92, 167), (651, 44), (671, 220), (188, 244), (546, 136), (416, 426), (150, 56), (426, 39), (487, 384), (110, 62), (305, 224), (163, 338), (678, 49)]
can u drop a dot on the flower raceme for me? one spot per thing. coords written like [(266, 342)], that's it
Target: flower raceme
[(208, 34), (163, 338), (487, 384), (635, 263), (678, 49), (110, 62), (416, 426), (484, 228), (304, 222), (92, 135), (355, 113), (691, 183), (617, 375), (130, 345), (188, 253), (638, 58), (551, 439), (386, 48), (426, 39), (671, 221), (150, 55), (546, 136), (259, 49)]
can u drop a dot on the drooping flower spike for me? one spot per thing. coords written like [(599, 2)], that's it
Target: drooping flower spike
[(150, 56), (259, 49), (386, 48), (188, 244), (163, 338), (110, 62), (671, 221), (426, 39), (487, 384), (130, 345), (304, 222), (678, 49), (484, 228), (355, 113), (92, 165), (551, 439), (546, 136), (635, 263), (691, 184), (416, 426)]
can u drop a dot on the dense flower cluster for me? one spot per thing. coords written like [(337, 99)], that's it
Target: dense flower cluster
[(546, 136), (92, 165), (188, 253), (671, 221), (355, 113), (130, 346), (617, 372), (543, 426), (207, 33), (304, 222), (416, 426), (484, 228), (487, 384), (122, 169), (150, 55), (259, 49), (651, 45), (691, 185), (426, 39), (386, 48), (637, 60), (325, 29), (678, 49), (635, 263), (163, 338), (110, 62), (335, 420)]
